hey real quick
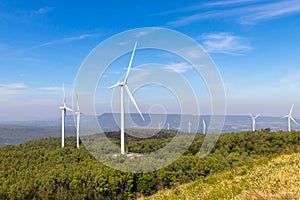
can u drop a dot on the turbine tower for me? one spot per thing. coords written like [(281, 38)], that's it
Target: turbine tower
[(253, 121), (190, 124), (289, 117), (77, 113), (123, 85), (204, 127), (63, 109), (168, 126)]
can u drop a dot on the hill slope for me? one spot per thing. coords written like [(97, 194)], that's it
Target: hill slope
[(41, 169), (276, 178)]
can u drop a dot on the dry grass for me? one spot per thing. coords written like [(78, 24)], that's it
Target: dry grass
[(278, 178)]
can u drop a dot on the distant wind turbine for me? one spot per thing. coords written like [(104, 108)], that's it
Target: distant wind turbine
[(190, 124), (253, 121), (123, 85), (168, 126), (63, 109), (289, 117), (204, 127), (77, 113)]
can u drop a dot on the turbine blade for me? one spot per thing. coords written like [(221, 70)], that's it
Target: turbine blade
[(68, 109), (132, 99), (64, 93), (250, 115), (257, 116), (294, 120), (291, 109), (113, 86), (130, 63), (77, 103), (285, 116)]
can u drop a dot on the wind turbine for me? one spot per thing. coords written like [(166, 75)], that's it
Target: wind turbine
[(204, 126), (168, 126), (77, 113), (253, 121), (63, 109), (190, 124), (289, 116), (123, 85)]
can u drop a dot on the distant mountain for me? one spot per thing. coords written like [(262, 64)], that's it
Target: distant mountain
[(109, 121), (20, 131)]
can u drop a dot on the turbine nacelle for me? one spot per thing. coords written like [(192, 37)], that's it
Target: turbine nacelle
[(118, 84), (254, 117), (65, 108)]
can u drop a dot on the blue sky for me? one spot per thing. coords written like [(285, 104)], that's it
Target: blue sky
[(255, 45)]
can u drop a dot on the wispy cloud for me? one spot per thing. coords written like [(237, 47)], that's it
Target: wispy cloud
[(142, 33), (229, 2), (227, 43), (43, 10), (62, 41), (123, 43), (22, 88), (51, 88), (69, 39), (12, 88), (205, 5), (270, 11), (241, 11), (178, 67)]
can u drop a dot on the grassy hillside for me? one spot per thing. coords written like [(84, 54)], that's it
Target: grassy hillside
[(276, 178), (41, 169)]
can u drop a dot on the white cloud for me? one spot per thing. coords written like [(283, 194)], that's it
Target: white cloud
[(229, 2), (49, 88), (62, 41), (178, 67), (69, 39), (144, 32), (270, 11), (43, 10), (123, 43), (201, 6), (12, 88), (242, 13), (226, 43)]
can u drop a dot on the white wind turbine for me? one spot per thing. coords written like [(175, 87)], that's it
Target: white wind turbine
[(204, 126), (168, 126), (123, 85), (253, 121), (190, 124), (63, 109), (77, 113), (289, 116)]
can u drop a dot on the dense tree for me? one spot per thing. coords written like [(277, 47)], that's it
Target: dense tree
[(40, 169)]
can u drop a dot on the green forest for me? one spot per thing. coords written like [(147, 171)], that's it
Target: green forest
[(41, 169)]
